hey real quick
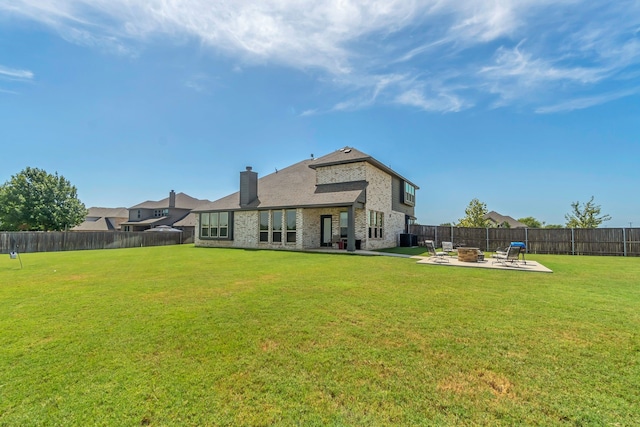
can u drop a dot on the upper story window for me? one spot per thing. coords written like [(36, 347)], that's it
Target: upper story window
[(160, 212), (409, 194)]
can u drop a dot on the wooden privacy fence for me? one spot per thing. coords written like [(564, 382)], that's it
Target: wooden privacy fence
[(37, 241), (571, 241)]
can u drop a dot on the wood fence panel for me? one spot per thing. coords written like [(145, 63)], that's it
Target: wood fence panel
[(632, 241), (577, 241), (35, 241), (549, 241), (502, 237)]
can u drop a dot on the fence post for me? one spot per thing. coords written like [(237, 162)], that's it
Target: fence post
[(624, 241), (526, 239), (487, 248), (573, 242), (452, 234)]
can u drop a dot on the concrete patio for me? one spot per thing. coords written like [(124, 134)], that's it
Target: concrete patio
[(488, 263)]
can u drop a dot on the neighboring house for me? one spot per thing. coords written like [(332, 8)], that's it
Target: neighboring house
[(103, 219), (503, 221), (344, 199), (188, 225), (167, 211)]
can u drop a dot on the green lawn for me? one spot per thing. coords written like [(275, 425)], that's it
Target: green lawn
[(178, 335)]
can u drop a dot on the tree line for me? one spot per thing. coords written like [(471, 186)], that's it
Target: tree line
[(34, 200), (581, 215)]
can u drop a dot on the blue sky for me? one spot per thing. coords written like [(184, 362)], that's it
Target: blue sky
[(526, 105)]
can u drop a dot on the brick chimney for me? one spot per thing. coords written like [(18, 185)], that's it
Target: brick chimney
[(172, 199), (248, 187)]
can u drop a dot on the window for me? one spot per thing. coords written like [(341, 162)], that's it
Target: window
[(282, 221), (264, 226), (160, 212), (291, 225), (204, 225), (375, 224), (138, 213), (344, 224), (276, 226), (409, 194), (214, 225)]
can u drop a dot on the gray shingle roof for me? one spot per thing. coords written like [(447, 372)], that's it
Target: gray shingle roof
[(295, 186), (183, 201), (103, 219), (499, 219)]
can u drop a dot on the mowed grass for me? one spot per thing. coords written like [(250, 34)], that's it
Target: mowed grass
[(177, 335)]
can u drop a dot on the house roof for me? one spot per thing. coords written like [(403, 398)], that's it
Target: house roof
[(183, 201), (498, 219), (295, 186), (148, 221), (103, 219), (187, 221)]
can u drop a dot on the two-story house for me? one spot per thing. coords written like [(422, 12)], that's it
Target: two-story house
[(167, 211), (345, 199)]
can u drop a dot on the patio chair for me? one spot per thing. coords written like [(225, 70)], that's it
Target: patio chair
[(447, 247), (436, 256), (510, 256)]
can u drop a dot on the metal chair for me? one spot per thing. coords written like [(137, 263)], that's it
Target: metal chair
[(510, 256), (447, 247), (436, 256)]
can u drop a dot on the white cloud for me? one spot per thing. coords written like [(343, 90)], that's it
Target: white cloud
[(15, 74), (437, 55), (586, 102)]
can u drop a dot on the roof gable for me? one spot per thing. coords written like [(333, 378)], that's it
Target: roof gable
[(348, 155)]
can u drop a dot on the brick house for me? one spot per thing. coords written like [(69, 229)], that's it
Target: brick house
[(346, 199)]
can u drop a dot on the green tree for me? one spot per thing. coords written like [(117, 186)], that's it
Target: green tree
[(531, 222), (36, 200), (475, 212), (586, 215)]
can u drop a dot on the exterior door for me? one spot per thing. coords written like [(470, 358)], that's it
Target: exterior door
[(325, 230)]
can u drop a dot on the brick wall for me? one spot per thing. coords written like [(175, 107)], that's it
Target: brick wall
[(341, 173)]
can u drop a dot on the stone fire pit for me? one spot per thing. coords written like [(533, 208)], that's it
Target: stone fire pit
[(468, 254)]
